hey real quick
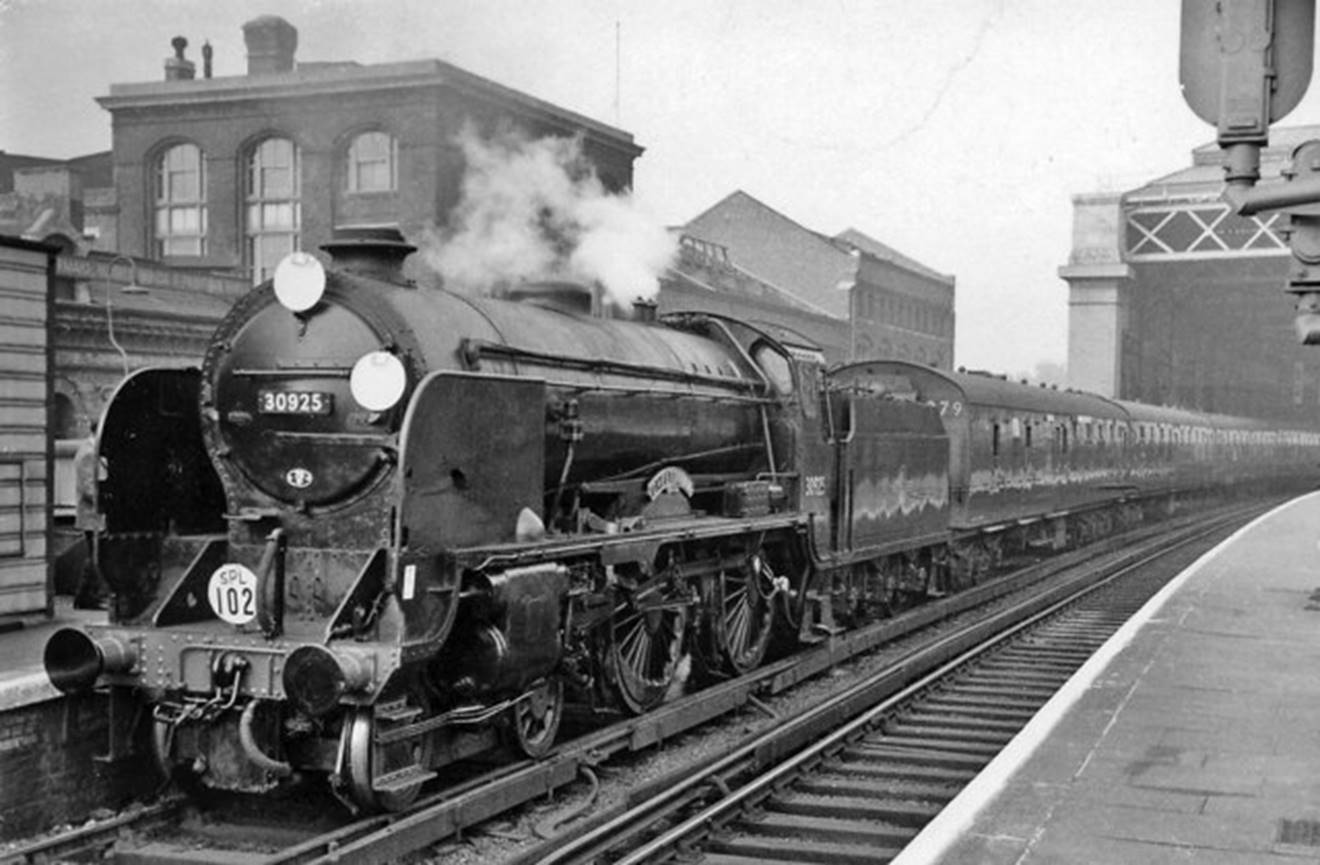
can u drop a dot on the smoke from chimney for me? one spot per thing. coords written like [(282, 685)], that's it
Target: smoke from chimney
[(535, 210)]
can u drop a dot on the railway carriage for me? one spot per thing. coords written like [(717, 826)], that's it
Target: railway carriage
[(1028, 465)]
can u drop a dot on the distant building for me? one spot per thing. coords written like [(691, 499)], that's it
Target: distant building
[(703, 279), (233, 172), (68, 203), (1173, 300), (890, 305)]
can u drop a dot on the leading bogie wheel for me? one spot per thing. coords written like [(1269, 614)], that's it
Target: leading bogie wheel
[(380, 777), (534, 719)]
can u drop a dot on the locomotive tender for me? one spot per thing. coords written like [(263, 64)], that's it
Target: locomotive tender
[(385, 527)]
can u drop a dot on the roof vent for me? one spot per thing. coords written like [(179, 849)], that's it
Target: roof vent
[(373, 252)]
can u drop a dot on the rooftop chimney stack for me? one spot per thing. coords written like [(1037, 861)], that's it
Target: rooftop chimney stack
[(176, 67), (271, 43)]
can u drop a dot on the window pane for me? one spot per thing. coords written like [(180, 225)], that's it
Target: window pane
[(183, 220), (180, 179), (374, 176), (371, 159), (275, 183), (183, 186), (272, 213), (284, 215), (373, 145)]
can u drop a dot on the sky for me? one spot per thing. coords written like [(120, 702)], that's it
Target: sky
[(955, 131)]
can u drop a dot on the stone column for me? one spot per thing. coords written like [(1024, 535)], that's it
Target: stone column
[(1098, 284)]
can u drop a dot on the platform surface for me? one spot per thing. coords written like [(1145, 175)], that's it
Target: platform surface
[(1193, 736)]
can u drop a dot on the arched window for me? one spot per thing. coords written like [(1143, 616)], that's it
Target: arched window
[(372, 163), (180, 225), (274, 214)]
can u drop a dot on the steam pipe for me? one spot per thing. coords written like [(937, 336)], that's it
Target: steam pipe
[(252, 750)]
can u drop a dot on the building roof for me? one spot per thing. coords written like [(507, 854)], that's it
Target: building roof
[(96, 168), (869, 245), (11, 162), (706, 265), (777, 250), (342, 78), (1205, 176)]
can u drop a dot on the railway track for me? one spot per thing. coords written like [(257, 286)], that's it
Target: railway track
[(385, 838), (851, 786)]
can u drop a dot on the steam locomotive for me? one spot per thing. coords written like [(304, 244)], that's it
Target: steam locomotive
[(385, 527)]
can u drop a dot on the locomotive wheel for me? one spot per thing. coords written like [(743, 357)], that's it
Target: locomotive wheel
[(744, 614), (367, 762), (645, 649), (534, 720), (357, 737)]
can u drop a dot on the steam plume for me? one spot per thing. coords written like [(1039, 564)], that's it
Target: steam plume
[(535, 210)]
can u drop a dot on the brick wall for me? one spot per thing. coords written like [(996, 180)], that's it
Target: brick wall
[(48, 772)]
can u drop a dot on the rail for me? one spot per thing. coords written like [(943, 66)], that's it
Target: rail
[(817, 736)]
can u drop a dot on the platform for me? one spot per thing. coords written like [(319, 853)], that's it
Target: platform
[(1192, 736), (23, 679)]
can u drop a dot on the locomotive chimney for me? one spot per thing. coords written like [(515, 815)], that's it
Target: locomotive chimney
[(271, 42), (644, 310), (373, 252)]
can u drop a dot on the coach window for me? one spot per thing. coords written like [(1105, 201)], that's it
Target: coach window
[(274, 212), (372, 163), (180, 196)]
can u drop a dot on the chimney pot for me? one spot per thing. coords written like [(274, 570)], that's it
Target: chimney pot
[(271, 43), (177, 68)]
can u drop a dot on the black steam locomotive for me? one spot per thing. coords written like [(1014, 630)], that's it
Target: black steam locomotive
[(385, 527)]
